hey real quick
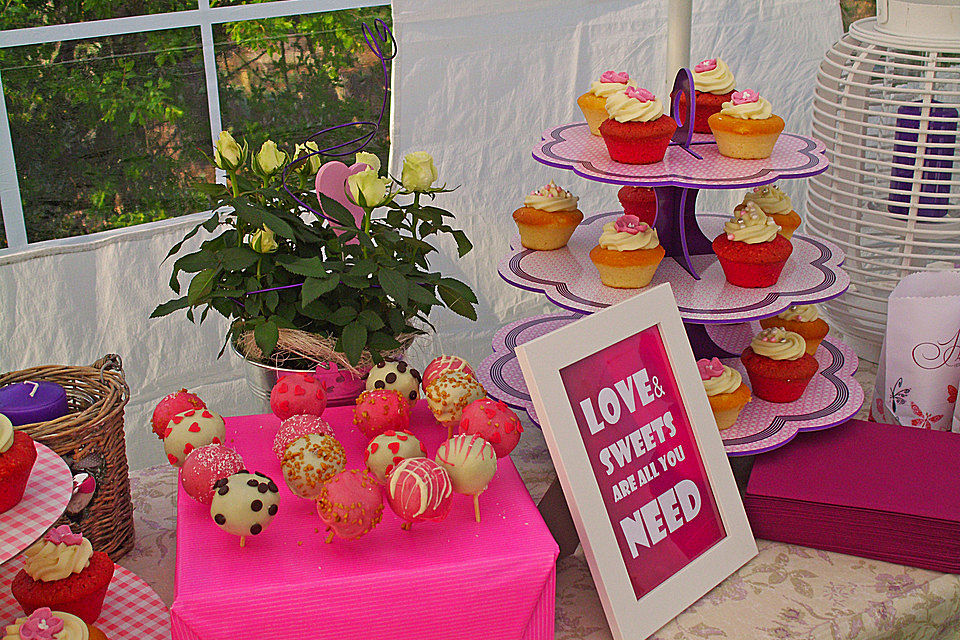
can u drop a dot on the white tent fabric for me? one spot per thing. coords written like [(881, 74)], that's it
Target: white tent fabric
[(474, 84)]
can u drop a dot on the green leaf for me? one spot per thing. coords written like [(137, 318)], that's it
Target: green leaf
[(463, 242), (201, 285), (342, 316), (353, 340), (211, 189), (381, 341), (458, 297), (314, 267), (266, 334), (423, 295), (277, 225), (461, 289), (397, 321), (395, 285), (271, 299), (337, 211), (371, 321), (313, 288), (169, 307), (236, 258)]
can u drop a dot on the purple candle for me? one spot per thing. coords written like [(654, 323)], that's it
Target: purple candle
[(29, 402)]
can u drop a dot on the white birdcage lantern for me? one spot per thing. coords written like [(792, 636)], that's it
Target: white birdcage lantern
[(886, 107)]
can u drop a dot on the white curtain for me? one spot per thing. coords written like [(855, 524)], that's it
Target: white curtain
[(475, 84)]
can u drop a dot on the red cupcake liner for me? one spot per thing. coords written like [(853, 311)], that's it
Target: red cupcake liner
[(640, 202), (637, 152), (12, 488), (15, 467), (751, 275), (80, 594), (777, 389)]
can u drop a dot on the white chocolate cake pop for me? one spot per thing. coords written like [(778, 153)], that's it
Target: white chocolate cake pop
[(390, 448), (244, 503), (471, 463), (449, 394), (190, 430), (310, 461), (396, 375)]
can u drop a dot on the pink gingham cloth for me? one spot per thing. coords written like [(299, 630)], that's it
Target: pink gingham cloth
[(132, 609), (47, 494)]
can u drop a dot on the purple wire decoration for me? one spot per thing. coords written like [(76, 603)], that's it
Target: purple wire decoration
[(376, 38)]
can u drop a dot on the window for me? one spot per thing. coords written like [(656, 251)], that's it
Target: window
[(110, 117)]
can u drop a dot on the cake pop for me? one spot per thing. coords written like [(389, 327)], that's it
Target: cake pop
[(244, 503), (442, 365), (295, 427), (297, 394), (204, 466), (381, 410), (350, 504), (310, 461), (389, 448), (396, 375), (471, 462), (419, 489), (171, 405), (191, 429), (495, 422), (449, 393)]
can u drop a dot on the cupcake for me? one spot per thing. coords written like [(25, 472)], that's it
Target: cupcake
[(44, 624), (751, 250), (636, 131), (547, 218), (628, 254), (593, 102), (746, 127), (725, 391), (778, 365), (803, 319), (776, 204), (63, 572), (713, 85), (640, 202), (17, 455)]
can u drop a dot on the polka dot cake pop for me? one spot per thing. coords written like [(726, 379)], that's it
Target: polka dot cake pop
[(171, 405), (419, 489), (471, 462), (244, 504), (381, 410), (441, 365), (449, 394), (295, 427), (297, 394), (189, 430), (390, 448), (350, 504), (204, 467), (495, 422), (398, 376), (310, 461)]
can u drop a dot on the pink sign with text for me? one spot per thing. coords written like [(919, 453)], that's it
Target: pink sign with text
[(644, 457)]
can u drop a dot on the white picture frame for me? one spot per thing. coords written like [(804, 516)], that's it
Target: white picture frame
[(640, 591)]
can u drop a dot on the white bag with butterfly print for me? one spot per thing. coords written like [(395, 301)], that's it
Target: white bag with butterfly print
[(919, 368)]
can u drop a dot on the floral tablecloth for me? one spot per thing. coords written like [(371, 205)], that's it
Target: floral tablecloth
[(785, 592)]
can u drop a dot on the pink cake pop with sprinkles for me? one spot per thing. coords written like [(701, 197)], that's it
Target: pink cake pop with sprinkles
[(419, 489), (495, 422), (471, 462), (204, 466), (350, 504), (295, 427), (298, 394), (441, 365), (381, 410)]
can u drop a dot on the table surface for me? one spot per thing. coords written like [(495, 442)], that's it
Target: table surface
[(785, 592)]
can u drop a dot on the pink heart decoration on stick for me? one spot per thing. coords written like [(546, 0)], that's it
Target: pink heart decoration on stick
[(332, 182)]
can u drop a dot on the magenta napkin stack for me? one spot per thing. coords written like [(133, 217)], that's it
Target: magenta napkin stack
[(872, 490)]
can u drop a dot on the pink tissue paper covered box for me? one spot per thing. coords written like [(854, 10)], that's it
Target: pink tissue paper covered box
[(441, 580)]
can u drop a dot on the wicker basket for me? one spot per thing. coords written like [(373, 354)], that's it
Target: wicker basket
[(92, 431)]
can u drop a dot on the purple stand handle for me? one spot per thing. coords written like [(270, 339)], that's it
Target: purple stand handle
[(703, 345)]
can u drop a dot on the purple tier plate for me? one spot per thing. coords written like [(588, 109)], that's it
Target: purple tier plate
[(570, 280), (571, 146), (832, 397)]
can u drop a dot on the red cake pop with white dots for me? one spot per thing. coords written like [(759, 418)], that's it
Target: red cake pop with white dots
[(493, 421), (171, 405), (389, 449), (298, 394), (441, 365), (296, 427), (381, 410), (419, 489), (205, 466), (350, 504)]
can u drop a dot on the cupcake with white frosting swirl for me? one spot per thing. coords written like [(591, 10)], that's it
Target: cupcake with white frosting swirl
[(778, 365), (776, 204), (547, 218), (746, 127), (628, 253), (751, 251), (803, 319), (725, 391), (593, 103), (636, 130), (713, 85)]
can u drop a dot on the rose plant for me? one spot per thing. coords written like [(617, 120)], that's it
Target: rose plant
[(273, 266)]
